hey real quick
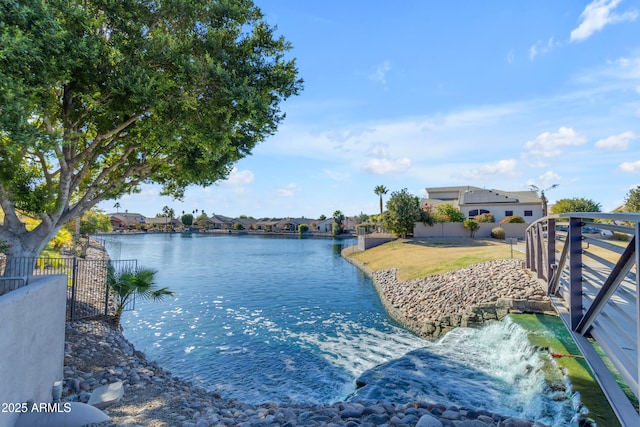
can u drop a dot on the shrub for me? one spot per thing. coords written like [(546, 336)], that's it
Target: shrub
[(513, 219), (238, 226), (498, 233), (621, 236), (448, 213), (303, 228), (485, 217), (471, 225)]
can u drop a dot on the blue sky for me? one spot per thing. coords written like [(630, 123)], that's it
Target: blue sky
[(417, 94)]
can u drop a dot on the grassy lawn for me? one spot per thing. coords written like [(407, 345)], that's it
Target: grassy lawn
[(416, 258)]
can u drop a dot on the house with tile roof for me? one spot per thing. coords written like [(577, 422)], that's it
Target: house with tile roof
[(473, 201)]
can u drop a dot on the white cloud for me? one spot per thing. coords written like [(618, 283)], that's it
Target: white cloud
[(504, 168), (511, 57), (383, 166), (541, 48), (549, 144), (630, 167), (288, 190), (597, 15), (617, 142), (239, 178), (381, 163), (380, 74), (336, 175)]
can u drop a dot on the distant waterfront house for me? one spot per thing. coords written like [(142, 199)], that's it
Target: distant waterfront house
[(473, 201), (125, 220), (160, 222), (324, 226), (246, 223), (219, 222), (267, 224), (291, 224)]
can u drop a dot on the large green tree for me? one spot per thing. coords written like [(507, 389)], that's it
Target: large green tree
[(403, 211), (97, 97), (576, 204), (632, 201)]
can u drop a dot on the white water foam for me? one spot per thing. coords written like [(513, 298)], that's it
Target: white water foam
[(493, 368)]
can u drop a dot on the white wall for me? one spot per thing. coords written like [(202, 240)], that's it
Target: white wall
[(32, 325), (456, 229), (498, 210)]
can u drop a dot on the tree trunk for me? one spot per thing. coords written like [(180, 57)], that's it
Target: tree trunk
[(25, 246)]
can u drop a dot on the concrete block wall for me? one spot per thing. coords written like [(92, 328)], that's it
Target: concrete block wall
[(456, 229), (32, 326)]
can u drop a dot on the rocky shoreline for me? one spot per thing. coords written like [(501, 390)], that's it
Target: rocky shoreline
[(468, 297), (96, 355)]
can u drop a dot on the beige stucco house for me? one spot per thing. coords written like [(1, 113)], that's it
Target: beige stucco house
[(474, 201)]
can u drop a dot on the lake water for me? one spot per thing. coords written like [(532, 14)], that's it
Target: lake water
[(289, 320)]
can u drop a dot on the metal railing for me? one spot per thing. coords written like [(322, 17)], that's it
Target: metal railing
[(591, 273), (88, 294)]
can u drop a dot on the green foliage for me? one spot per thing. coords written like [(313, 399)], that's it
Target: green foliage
[(201, 218), (621, 236), (303, 228), (446, 212), (575, 205), (632, 201), (338, 223), (322, 217), (471, 225), (403, 211), (498, 233), (140, 284), (379, 190), (63, 239), (485, 217), (98, 97), (4, 246), (187, 220), (91, 222), (238, 226), (513, 219)]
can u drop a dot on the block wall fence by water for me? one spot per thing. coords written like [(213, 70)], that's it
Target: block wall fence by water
[(456, 229), (31, 343)]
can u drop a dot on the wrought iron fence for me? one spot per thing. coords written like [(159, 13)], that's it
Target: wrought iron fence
[(88, 294)]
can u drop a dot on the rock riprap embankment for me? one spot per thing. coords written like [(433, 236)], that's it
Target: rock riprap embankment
[(434, 305)]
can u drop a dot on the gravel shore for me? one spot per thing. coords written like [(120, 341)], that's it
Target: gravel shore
[(96, 354)]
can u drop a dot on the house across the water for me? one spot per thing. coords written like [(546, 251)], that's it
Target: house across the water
[(473, 201)]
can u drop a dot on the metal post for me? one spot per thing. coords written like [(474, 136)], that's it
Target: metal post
[(575, 271), (551, 249), (637, 236), (106, 287), (74, 280)]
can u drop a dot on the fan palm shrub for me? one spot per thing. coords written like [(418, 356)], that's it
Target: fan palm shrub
[(129, 285)]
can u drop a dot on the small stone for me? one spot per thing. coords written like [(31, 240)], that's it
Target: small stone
[(428, 421), (107, 395)]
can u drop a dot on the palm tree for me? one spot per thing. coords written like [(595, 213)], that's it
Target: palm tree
[(117, 206), (166, 211), (380, 190), (543, 198), (127, 285)]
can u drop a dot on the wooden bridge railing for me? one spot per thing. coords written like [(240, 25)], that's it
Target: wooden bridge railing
[(591, 272)]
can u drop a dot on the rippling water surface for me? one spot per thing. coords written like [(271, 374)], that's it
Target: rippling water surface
[(282, 319)]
